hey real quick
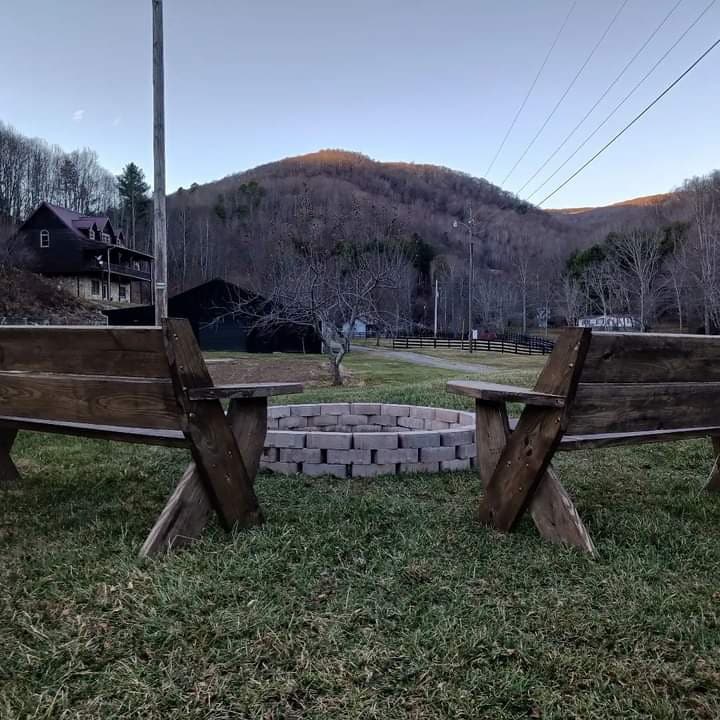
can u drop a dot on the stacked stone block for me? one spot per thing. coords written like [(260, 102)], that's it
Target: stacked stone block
[(367, 439)]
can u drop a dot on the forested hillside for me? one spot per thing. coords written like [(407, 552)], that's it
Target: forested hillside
[(232, 227), (341, 196), (335, 218), (32, 170)]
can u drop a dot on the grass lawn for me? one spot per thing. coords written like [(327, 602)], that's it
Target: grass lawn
[(359, 599)]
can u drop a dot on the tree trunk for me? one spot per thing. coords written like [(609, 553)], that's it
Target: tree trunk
[(335, 366)]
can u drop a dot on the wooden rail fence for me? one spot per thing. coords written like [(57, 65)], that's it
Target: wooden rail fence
[(514, 344)]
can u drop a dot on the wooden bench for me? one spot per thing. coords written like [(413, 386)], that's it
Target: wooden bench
[(596, 390), (141, 385)]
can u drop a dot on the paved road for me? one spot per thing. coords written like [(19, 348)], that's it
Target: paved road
[(419, 359)]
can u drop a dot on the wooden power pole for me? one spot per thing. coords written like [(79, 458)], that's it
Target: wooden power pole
[(159, 213)]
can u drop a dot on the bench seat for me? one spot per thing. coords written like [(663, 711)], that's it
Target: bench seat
[(596, 390), (156, 436), (172, 438), (149, 386), (600, 440)]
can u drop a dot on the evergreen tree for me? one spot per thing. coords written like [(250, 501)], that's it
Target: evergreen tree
[(133, 191)]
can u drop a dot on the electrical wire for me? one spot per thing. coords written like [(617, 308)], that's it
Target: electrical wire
[(603, 96), (632, 122), (567, 90), (531, 88), (623, 101)]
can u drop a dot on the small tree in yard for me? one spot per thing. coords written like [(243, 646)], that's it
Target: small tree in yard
[(327, 287)]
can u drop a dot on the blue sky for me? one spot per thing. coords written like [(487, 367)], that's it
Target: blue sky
[(413, 80)]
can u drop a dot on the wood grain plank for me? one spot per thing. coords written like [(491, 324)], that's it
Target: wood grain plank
[(212, 443), (603, 440), (188, 510), (530, 447), (142, 436), (9, 474), (556, 517), (551, 508), (624, 407), (91, 399), (652, 358), (491, 433), (503, 393), (127, 352), (248, 422), (253, 390), (713, 482)]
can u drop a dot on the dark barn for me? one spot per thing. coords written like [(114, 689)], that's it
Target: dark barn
[(209, 307)]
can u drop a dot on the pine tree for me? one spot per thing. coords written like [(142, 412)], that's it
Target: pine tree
[(133, 190)]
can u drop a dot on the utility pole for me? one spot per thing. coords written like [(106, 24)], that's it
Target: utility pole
[(470, 287), (159, 214), (468, 225), (436, 309)]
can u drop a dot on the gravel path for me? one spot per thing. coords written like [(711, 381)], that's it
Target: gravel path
[(419, 359)]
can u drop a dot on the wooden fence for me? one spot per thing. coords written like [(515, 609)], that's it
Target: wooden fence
[(514, 344)]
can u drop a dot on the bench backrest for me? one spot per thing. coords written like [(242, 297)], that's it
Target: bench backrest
[(633, 382), (95, 375)]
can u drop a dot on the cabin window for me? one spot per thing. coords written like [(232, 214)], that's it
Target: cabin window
[(44, 239), (92, 234), (122, 292), (95, 287), (105, 238)]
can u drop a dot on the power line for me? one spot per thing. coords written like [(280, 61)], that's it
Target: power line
[(567, 90), (623, 101), (603, 96), (632, 122), (531, 88)]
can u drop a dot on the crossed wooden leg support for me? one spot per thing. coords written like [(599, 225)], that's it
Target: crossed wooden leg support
[(551, 508), (9, 474), (190, 506)]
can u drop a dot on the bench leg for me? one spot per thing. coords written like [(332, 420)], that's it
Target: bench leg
[(189, 508), (551, 508), (9, 474), (555, 516), (491, 433), (713, 483)]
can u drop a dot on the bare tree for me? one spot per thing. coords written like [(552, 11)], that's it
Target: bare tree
[(704, 196), (521, 261), (571, 299), (634, 268), (326, 289)]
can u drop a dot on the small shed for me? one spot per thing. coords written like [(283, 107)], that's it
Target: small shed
[(209, 309)]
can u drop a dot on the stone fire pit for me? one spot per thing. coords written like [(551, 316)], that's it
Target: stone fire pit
[(367, 439)]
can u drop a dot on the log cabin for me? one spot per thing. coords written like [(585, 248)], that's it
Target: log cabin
[(85, 255)]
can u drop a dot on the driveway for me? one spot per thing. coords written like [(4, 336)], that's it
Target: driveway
[(428, 360)]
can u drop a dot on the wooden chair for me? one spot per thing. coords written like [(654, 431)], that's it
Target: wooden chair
[(141, 385), (596, 390)]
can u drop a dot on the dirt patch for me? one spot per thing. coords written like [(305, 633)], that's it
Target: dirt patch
[(312, 370)]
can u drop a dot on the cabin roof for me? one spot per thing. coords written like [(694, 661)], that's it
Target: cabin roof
[(76, 222)]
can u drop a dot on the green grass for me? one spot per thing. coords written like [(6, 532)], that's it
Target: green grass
[(373, 599)]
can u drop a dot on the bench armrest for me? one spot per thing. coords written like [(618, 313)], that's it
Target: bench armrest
[(494, 392), (253, 390)]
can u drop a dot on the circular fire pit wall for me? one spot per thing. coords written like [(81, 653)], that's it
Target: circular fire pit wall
[(367, 439)]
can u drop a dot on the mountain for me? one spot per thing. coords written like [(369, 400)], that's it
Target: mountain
[(643, 201), (592, 224), (221, 227)]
